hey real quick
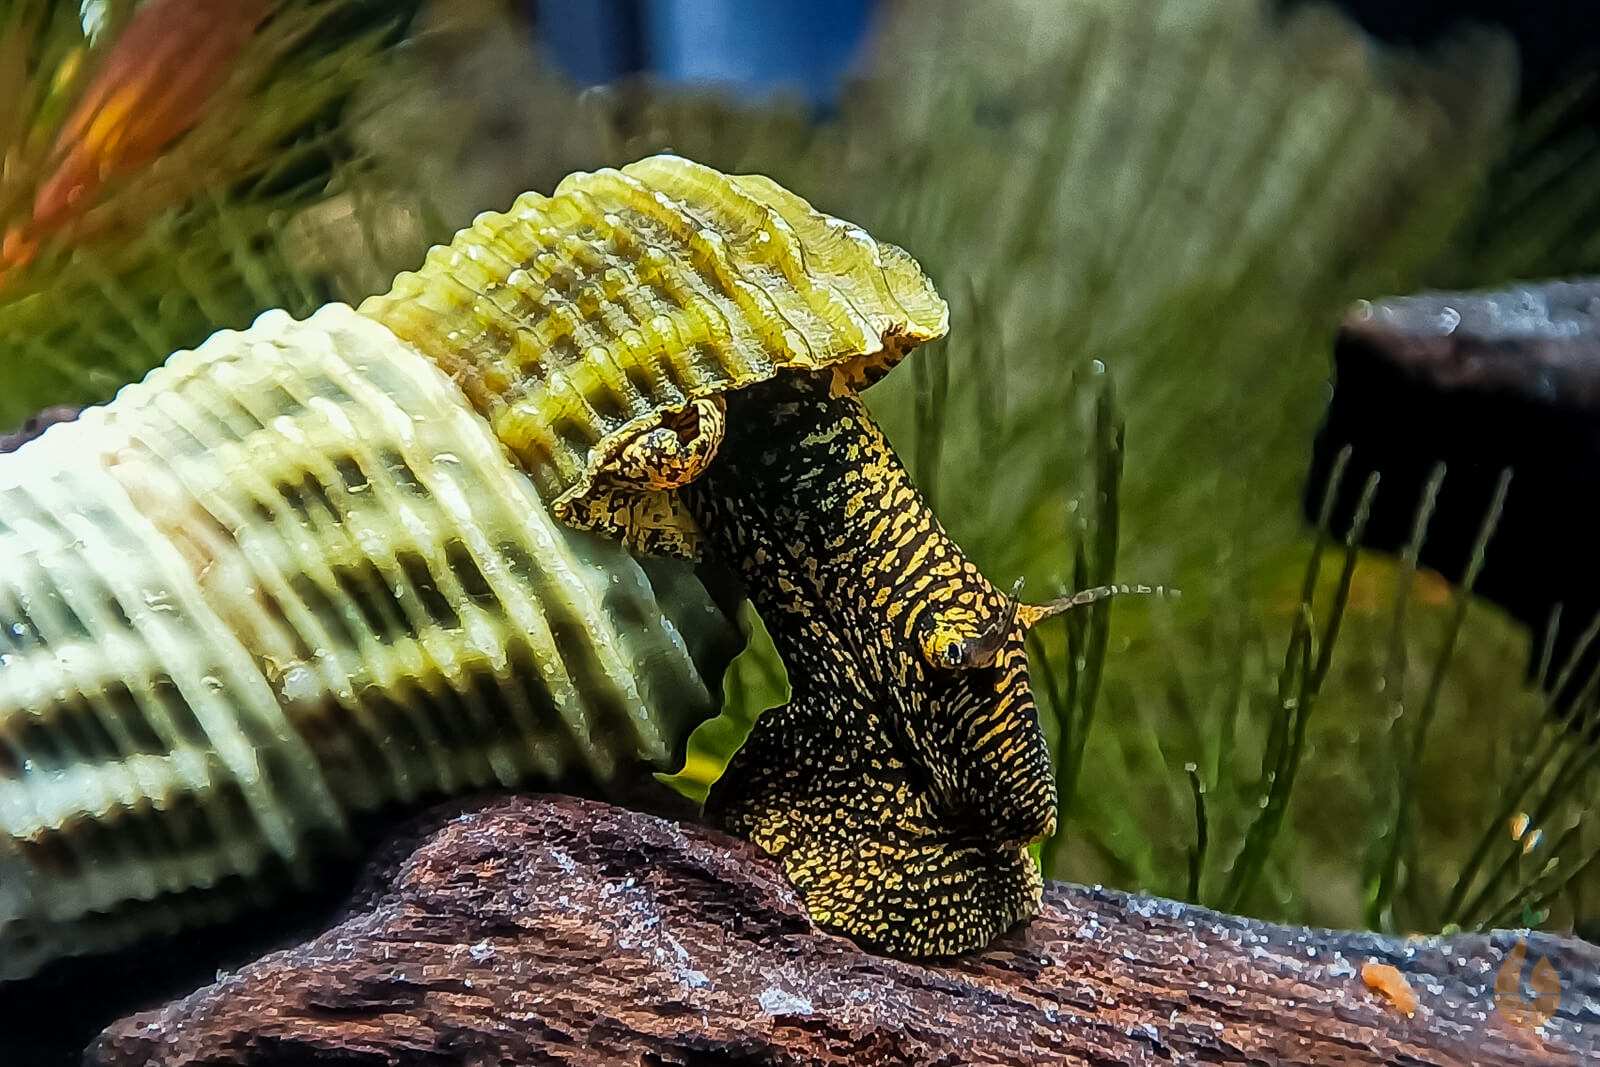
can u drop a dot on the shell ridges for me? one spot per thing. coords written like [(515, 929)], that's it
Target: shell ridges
[(291, 577), (577, 321)]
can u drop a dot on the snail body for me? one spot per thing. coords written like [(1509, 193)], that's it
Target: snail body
[(677, 354)]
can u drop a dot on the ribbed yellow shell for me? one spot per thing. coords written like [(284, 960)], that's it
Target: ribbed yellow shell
[(579, 321), (291, 577)]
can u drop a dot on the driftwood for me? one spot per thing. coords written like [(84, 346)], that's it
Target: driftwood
[(554, 930), (1483, 383)]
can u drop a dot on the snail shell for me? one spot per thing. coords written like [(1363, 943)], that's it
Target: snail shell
[(312, 569), (290, 577), (627, 303)]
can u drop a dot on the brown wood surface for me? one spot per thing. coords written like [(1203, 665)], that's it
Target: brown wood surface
[(538, 930)]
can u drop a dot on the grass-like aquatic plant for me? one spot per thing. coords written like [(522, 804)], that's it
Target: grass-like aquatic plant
[(153, 156), (1179, 198)]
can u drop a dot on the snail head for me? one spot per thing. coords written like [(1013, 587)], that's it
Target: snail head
[(964, 644)]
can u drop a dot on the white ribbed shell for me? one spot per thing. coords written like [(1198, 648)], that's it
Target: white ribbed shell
[(289, 577)]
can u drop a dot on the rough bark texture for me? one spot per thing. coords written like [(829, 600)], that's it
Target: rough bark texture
[(1481, 382), (553, 930)]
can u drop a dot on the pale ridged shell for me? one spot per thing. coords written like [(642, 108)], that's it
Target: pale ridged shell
[(290, 577), (576, 321)]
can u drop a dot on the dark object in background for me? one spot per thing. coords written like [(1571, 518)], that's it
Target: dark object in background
[(1480, 382), (1558, 40)]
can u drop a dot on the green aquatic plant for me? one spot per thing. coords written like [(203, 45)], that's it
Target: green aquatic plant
[(154, 155), (1188, 196), (1180, 198)]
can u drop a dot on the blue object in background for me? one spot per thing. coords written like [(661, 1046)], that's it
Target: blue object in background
[(595, 41), (756, 48)]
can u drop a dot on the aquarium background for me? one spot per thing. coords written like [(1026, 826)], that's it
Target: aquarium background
[(1147, 218)]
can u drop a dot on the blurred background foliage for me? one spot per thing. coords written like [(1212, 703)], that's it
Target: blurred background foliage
[(150, 158), (1147, 218)]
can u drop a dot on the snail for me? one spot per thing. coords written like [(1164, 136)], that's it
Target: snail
[(676, 355), (315, 568)]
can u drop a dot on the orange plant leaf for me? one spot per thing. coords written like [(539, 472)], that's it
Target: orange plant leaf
[(155, 83)]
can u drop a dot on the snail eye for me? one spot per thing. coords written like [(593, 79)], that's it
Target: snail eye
[(971, 652), (947, 650)]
